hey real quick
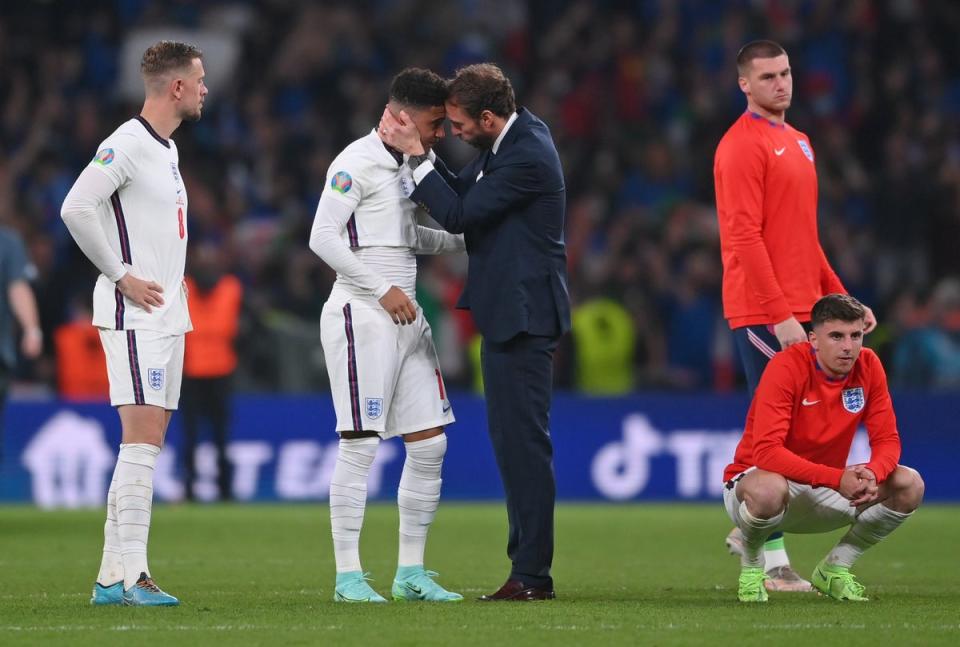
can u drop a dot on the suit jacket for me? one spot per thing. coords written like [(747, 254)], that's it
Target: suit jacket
[(512, 221)]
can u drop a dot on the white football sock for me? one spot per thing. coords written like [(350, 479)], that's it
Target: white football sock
[(134, 477), (348, 499), (418, 496), (111, 564), (872, 525), (755, 532)]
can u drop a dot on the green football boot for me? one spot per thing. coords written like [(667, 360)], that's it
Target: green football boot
[(412, 583), (352, 587), (838, 583), (751, 587)]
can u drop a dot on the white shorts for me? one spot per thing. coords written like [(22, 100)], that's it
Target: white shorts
[(383, 377), (144, 367), (809, 509)]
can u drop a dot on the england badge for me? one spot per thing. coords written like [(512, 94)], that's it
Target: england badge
[(853, 399), (155, 378), (374, 408)]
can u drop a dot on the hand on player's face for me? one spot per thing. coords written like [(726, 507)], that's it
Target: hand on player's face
[(400, 132), (399, 305)]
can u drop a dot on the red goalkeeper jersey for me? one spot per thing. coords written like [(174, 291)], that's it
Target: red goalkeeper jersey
[(766, 188), (801, 422)]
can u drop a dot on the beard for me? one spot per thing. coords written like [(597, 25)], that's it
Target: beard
[(191, 115), (482, 141)]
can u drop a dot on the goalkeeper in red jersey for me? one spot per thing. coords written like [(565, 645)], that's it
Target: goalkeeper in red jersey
[(789, 474)]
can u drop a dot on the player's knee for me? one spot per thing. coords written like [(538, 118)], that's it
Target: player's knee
[(908, 488), (766, 494)]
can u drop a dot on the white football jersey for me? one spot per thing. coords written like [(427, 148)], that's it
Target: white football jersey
[(375, 185), (368, 178), (146, 224)]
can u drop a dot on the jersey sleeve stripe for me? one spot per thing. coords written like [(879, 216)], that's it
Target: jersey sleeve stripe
[(120, 309), (121, 228), (134, 367), (352, 231), (352, 369)]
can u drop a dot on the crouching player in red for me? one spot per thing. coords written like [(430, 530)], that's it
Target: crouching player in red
[(789, 473)]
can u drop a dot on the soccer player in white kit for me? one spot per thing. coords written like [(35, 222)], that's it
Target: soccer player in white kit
[(380, 356), (128, 213)]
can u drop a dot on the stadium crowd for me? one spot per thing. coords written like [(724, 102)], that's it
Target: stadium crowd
[(637, 95)]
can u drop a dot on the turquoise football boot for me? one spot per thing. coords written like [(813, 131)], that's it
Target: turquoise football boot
[(107, 595), (352, 587), (412, 584), (145, 593)]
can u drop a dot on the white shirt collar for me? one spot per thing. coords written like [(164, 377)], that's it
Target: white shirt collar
[(506, 127)]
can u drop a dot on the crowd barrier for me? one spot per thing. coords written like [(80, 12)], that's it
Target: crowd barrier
[(647, 447)]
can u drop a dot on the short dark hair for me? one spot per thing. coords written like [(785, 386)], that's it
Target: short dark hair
[(757, 49), (836, 307), (418, 88), (480, 87), (168, 55)]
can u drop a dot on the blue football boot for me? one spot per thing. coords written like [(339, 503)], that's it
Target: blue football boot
[(107, 595), (413, 583), (145, 593), (352, 587)]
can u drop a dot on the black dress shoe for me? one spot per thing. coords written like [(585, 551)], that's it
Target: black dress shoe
[(517, 591)]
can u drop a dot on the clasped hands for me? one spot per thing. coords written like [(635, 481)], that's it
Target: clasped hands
[(859, 485)]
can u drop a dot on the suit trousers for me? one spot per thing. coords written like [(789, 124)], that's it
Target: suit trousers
[(518, 382)]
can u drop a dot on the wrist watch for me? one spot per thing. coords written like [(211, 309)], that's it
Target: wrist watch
[(416, 160)]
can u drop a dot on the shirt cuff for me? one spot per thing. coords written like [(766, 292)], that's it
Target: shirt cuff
[(421, 171), (382, 290)]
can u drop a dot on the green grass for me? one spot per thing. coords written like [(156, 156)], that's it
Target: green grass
[(638, 574)]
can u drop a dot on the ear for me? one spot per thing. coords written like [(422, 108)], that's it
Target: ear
[(486, 119), (812, 337), (744, 84), (176, 88)]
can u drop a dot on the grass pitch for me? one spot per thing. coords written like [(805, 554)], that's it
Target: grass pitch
[(631, 574)]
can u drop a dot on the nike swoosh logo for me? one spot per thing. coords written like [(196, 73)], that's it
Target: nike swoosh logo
[(447, 408), (807, 403), (779, 151), (415, 589)]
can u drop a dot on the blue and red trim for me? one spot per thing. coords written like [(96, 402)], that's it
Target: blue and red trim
[(125, 252), (352, 369), (134, 359), (352, 231), (153, 133)]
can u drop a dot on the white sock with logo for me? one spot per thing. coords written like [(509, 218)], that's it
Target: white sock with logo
[(111, 564), (134, 478), (872, 525), (418, 496), (348, 499), (755, 532)]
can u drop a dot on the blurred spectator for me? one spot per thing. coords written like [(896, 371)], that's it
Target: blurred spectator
[(928, 356), (209, 361), (17, 304), (605, 343), (81, 363)]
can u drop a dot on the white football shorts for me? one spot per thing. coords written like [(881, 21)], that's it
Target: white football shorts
[(144, 367), (809, 509), (383, 377)]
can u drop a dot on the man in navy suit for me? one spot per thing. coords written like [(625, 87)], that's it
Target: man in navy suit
[(509, 204)]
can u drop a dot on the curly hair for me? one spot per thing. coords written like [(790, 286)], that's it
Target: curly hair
[(418, 88)]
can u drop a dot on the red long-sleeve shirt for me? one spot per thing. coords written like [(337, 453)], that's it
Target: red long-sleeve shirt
[(766, 188), (801, 423)]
